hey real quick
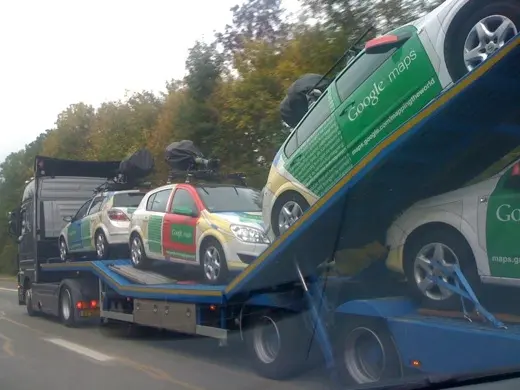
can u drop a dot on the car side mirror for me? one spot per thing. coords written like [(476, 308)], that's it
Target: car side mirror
[(67, 218), (185, 211), (386, 42)]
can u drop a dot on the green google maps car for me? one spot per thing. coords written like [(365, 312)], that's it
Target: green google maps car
[(387, 83)]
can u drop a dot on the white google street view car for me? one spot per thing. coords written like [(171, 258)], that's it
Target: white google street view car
[(100, 226), (215, 227), (476, 227), (385, 85)]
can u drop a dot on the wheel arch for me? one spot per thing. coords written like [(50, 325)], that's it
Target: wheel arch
[(456, 17)]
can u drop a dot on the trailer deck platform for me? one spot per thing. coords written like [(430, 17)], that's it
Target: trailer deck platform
[(446, 144)]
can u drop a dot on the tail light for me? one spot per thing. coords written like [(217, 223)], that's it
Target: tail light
[(117, 215), (516, 169)]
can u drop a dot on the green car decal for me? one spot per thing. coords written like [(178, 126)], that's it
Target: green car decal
[(397, 90), (155, 234), (503, 228), (182, 234), (251, 218)]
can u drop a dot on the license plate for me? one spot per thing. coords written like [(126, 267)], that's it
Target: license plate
[(89, 313)]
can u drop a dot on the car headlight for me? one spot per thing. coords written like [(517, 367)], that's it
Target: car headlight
[(249, 234)]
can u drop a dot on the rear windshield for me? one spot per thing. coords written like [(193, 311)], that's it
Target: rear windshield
[(128, 199), (230, 199)]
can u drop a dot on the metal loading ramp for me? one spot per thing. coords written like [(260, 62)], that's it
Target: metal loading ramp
[(453, 139), (130, 282)]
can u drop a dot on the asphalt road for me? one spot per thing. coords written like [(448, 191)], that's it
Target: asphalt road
[(40, 353)]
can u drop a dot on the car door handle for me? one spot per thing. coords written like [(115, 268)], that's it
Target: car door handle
[(346, 108)]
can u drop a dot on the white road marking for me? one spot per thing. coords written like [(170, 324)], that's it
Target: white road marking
[(101, 357), (8, 289)]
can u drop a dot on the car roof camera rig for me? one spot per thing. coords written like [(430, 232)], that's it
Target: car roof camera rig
[(132, 170), (187, 163)]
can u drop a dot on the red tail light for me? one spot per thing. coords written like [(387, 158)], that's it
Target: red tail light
[(516, 169), (117, 215)]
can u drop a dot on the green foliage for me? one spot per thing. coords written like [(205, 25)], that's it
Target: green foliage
[(228, 103)]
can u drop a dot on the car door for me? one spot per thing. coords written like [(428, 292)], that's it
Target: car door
[(179, 227), (75, 234), (503, 225), (309, 148), (382, 89), (89, 223), (156, 207)]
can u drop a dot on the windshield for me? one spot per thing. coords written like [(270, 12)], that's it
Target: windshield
[(229, 198), (128, 199)]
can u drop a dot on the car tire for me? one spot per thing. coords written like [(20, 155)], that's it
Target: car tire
[(67, 308), (455, 43), (454, 249), (213, 262), (137, 253), (361, 340), (64, 251), (102, 247), (295, 203)]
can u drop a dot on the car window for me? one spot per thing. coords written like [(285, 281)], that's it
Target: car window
[(291, 145), (96, 205), (183, 199), (128, 199), (230, 199), (359, 71), (82, 210), (159, 201), (319, 112), (149, 203)]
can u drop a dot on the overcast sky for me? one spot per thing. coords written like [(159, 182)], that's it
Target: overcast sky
[(58, 52)]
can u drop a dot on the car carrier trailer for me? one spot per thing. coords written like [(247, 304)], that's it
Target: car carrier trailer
[(467, 128)]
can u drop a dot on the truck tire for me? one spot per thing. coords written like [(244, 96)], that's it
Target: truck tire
[(67, 309), (284, 354), (29, 303), (367, 352)]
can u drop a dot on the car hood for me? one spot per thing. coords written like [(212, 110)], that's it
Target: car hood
[(251, 219)]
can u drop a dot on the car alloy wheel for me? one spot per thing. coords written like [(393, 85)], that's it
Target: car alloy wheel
[(486, 37)]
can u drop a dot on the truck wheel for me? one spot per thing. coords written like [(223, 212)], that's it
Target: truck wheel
[(482, 32), (29, 303), (368, 353), (213, 262), (447, 246), (287, 209), (102, 249), (277, 344), (66, 308), (137, 253)]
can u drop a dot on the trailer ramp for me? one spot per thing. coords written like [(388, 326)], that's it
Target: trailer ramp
[(128, 281), (452, 140)]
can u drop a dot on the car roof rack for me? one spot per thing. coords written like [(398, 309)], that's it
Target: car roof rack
[(122, 183), (201, 176)]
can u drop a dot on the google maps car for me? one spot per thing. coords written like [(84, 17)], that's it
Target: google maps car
[(202, 223), (101, 225), (386, 84), (475, 227)]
